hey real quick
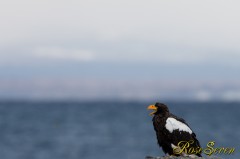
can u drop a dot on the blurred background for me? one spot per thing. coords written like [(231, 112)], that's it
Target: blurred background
[(76, 76)]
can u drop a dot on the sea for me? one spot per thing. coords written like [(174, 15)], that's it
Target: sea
[(107, 129)]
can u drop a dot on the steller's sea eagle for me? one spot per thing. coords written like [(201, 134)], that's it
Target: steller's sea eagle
[(173, 134)]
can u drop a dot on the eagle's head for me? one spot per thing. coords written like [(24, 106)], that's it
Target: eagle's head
[(158, 108)]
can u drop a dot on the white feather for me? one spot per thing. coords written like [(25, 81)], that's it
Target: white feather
[(173, 146), (173, 124)]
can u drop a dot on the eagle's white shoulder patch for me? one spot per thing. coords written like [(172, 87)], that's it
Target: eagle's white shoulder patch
[(173, 124)]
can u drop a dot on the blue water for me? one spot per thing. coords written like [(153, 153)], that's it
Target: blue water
[(104, 130)]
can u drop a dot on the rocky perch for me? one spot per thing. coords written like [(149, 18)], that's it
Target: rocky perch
[(172, 157)]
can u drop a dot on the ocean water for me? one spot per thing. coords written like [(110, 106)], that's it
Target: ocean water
[(106, 130)]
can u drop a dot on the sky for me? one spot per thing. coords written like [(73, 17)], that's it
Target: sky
[(120, 50)]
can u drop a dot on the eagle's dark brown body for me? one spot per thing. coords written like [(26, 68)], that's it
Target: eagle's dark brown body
[(170, 130)]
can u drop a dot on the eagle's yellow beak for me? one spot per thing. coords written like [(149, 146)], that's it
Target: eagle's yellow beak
[(152, 107)]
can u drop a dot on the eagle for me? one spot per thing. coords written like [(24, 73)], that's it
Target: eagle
[(173, 134)]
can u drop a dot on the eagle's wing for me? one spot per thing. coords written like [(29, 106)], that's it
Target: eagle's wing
[(178, 130)]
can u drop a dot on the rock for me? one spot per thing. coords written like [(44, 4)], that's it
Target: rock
[(172, 157)]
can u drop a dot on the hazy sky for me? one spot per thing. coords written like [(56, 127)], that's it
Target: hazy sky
[(120, 49)]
